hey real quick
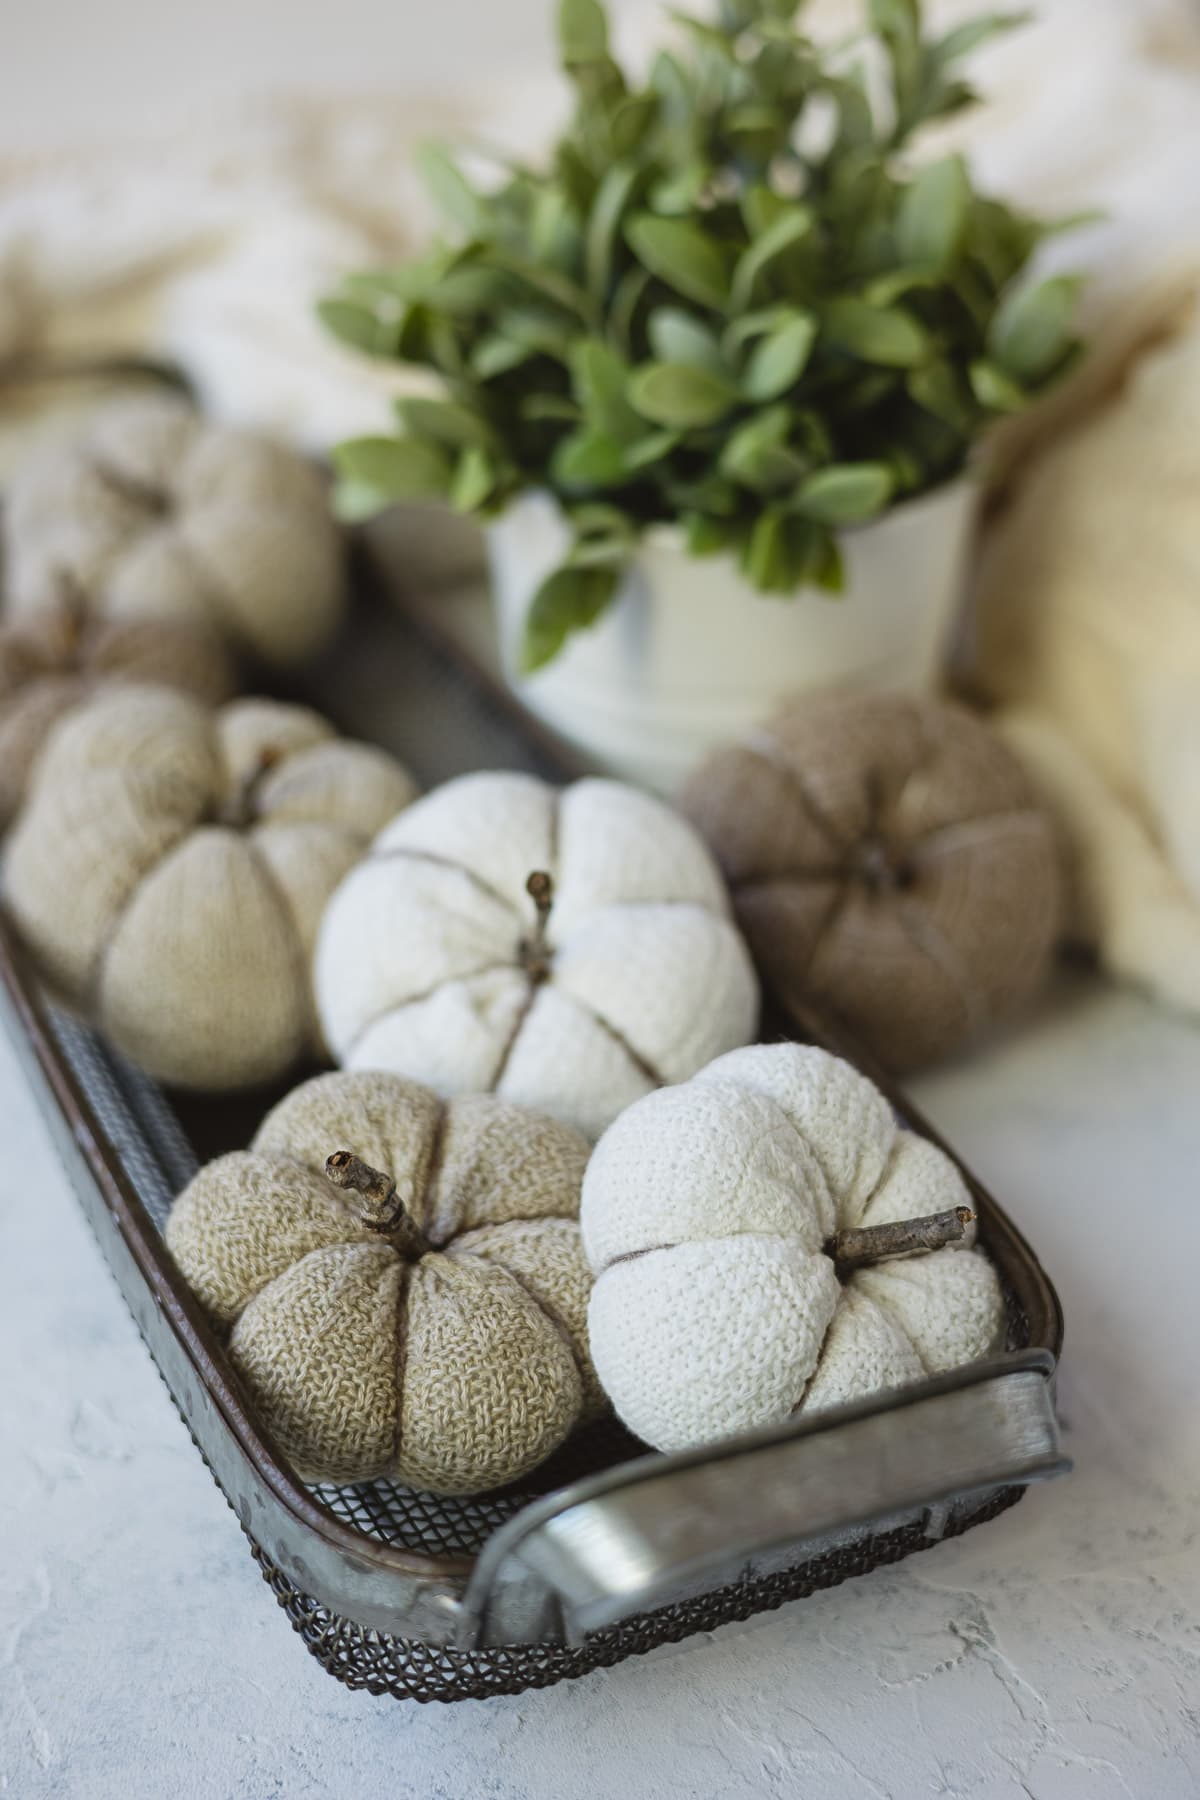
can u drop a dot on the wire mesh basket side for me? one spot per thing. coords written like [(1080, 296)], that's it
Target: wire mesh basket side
[(407, 1670)]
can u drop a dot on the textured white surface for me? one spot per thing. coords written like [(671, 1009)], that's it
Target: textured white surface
[(1052, 1655)]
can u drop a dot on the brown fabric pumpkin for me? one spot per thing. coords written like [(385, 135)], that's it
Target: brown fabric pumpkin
[(50, 663), (155, 512), (170, 867), (888, 865), (449, 1352)]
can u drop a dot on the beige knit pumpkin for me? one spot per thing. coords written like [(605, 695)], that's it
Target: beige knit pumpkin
[(450, 1352), (50, 663), (155, 513), (888, 864), (170, 867)]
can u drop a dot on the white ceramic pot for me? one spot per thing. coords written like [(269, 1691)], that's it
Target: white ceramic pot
[(689, 654)]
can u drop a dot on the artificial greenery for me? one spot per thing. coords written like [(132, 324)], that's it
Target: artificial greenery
[(728, 302)]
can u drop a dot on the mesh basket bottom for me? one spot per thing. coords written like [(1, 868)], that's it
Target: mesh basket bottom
[(408, 1670)]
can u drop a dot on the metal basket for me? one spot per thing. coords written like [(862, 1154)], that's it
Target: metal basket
[(609, 1551)]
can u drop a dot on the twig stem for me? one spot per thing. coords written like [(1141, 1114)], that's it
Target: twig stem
[(535, 952), (858, 1246), (384, 1211), (238, 810)]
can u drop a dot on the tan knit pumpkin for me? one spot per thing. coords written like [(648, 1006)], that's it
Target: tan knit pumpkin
[(429, 1324), (888, 865), (171, 864), (50, 663), (156, 513)]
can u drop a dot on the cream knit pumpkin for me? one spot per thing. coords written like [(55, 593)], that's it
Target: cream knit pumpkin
[(706, 1212), (170, 867), (155, 513), (50, 663), (453, 1364), (432, 960)]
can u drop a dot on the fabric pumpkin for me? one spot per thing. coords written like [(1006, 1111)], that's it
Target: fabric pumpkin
[(155, 513), (708, 1216), (888, 863), (449, 1352), (50, 663), (170, 866), (615, 970)]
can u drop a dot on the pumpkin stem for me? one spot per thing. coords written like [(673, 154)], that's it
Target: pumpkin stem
[(857, 1247), (534, 951), (238, 810), (384, 1211)]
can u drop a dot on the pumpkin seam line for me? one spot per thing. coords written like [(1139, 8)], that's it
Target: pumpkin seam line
[(931, 942), (404, 854), (299, 961), (415, 1000), (777, 756)]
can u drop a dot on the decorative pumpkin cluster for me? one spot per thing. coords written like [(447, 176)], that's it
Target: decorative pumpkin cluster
[(507, 972), (727, 301)]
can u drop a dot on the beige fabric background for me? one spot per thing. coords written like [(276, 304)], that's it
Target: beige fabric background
[(159, 191)]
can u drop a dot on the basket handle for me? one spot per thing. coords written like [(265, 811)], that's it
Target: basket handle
[(659, 1529)]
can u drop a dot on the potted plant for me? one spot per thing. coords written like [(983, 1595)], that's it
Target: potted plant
[(724, 356)]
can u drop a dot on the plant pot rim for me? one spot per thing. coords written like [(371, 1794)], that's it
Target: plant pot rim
[(664, 536)]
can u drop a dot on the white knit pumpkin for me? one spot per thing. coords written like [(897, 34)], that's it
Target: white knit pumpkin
[(154, 512), (706, 1212), (431, 961)]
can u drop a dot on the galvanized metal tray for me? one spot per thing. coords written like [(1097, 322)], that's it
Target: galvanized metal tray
[(610, 1550)]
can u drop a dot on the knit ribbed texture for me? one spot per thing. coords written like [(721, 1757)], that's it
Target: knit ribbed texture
[(456, 1372), (49, 663), (887, 861), (155, 513), (419, 962), (190, 939), (706, 1210)]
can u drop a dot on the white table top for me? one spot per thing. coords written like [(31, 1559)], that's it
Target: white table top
[(1051, 1655)]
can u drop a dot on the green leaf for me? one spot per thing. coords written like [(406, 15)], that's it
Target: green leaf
[(498, 355), (757, 454), (932, 219), (938, 387), (779, 358), (788, 230), (845, 493), (756, 324), (765, 560), (582, 31), (649, 450), (444, 421), (452, 193), (604, 223), (973, 32), (474, 479), (994, 389), (876, 334), (588, 459), (760, 206), (680, 254), (1031, 333), (358, 325), (568, 600), (599, 380), (679, 395), (706, 536), (677, 336), (396, 468)]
